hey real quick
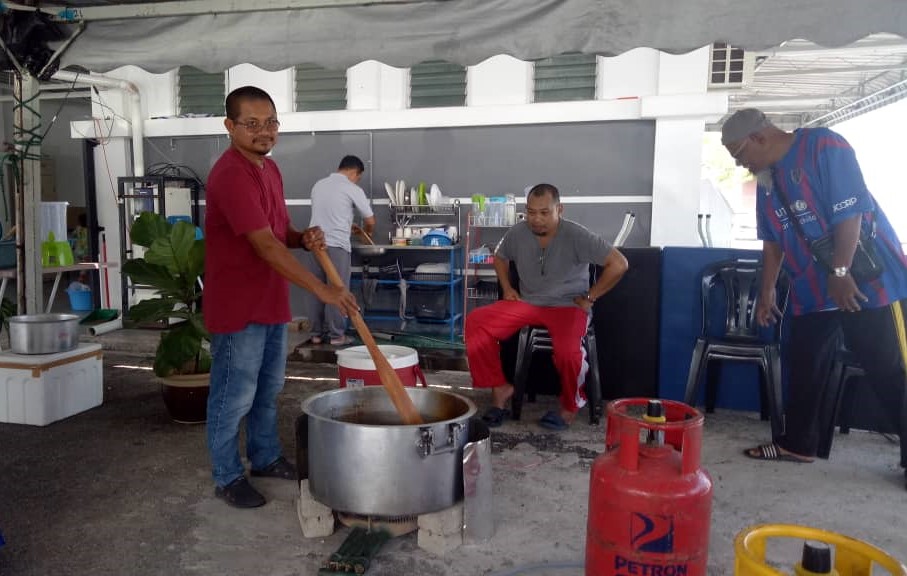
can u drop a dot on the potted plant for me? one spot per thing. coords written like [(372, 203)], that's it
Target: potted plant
[(172, 264)]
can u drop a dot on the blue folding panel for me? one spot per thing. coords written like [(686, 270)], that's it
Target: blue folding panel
[(681, 320)]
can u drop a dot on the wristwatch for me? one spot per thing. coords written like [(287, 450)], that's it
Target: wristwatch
[(840, 271)]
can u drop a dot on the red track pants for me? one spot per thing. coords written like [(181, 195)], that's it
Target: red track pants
[(488, 325)]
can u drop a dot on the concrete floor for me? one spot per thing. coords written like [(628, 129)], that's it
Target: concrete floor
[(121, 489)]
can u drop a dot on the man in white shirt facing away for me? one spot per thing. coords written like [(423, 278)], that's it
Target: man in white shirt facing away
[(335, 201)]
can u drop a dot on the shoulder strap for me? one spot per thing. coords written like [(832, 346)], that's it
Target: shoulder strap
[(787, 208)]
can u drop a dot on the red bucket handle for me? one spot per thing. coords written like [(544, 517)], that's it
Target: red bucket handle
[(420, 377)]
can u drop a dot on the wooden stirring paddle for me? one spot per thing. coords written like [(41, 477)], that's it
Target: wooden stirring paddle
[(389, 378)]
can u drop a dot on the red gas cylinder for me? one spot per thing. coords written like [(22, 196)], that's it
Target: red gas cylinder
[(650, 503)]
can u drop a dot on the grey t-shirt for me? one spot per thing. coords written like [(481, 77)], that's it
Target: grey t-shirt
[(333, 200), (559, 273)]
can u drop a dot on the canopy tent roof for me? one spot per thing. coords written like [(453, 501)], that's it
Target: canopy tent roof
[(403, 33), (800, 83)]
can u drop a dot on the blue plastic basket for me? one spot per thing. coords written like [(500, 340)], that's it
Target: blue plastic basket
[(436, 239), (80, 300)]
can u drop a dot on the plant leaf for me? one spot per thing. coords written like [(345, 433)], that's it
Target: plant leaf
[(204, 361), (140, 271), (149, 227), (153, 310), (173, 251), (177, 347), (196, 265)]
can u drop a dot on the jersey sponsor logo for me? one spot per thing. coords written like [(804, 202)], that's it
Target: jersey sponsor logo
[(781, 213), (844, 204), (652, 533), (807, 218)]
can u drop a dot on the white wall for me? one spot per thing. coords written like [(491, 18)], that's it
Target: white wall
[(499, 81), (630, 75), (372, 85), (678, 147), (279, 85), (158, 94), (115, 154), (640, 84)]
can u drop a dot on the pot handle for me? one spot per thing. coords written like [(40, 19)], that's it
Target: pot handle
[(426, 441)]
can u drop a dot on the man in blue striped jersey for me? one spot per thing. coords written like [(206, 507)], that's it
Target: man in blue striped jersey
[(847, 268)]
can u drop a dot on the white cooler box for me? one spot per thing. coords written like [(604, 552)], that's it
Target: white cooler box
[(42, 388)]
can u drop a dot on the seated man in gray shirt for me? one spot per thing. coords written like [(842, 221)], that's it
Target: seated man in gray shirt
[(552, 257)]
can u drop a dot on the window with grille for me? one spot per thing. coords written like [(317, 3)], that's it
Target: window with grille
[(318, 88), (437, 83), (201, 92), (565, 77), (728, 66)]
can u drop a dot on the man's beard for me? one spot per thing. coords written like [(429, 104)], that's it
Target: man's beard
[(764, 179)]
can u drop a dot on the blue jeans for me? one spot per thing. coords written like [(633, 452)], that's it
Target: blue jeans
[(247, 374)]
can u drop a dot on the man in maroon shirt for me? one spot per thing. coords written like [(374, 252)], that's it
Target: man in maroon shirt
[(246, 297)]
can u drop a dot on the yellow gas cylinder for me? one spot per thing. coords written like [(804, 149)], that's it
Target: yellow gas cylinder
[(852, 557)]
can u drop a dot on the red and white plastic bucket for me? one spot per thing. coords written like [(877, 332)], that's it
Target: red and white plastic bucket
[(357, 369)]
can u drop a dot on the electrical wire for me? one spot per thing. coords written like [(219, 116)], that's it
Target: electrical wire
[(60, 108), (25, 139), (171, 166)]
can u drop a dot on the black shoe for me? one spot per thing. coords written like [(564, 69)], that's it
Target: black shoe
[(280, 468), (240, 494)]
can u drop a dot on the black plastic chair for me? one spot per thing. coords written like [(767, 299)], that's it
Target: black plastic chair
[(534, 339), (839, 399), (741, 339)]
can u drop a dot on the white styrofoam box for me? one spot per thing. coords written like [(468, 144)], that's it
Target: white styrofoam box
[(39, 389)]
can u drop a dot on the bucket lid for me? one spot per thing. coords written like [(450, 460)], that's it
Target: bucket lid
[(358, 358)]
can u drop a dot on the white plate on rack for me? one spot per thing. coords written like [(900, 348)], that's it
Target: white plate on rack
[(390, 193), (434, 196)]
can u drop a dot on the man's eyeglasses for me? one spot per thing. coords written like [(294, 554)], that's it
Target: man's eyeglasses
[(736, 153), (253, 126)]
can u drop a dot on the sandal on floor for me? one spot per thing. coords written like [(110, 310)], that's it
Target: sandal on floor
[(771, 451), (495, 416), (553, 421), (342, 341)]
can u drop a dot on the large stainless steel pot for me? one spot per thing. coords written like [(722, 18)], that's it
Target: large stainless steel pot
[(362, 460), (43, 333)]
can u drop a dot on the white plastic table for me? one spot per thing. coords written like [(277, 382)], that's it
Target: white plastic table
[(10, 273)]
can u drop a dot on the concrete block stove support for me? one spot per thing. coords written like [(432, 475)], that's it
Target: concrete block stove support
[(441, 532), (316, 519)]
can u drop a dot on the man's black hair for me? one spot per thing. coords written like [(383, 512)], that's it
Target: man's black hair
[(540, 190), (352, 162), (231, 105)]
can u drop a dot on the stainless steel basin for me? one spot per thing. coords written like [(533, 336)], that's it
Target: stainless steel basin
[(43, 333)]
